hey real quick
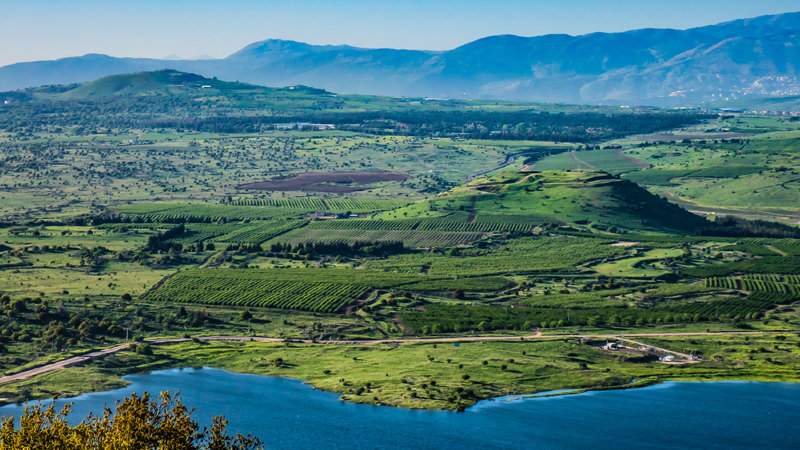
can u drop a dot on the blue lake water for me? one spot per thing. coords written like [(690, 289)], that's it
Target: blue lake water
[(286, 413)]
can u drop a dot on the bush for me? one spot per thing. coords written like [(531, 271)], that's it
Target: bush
[(163, 423), (144, 349)]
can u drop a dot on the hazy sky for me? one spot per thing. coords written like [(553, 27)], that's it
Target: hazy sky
[(48, 29)]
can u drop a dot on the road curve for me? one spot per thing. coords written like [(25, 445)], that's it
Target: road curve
[(95, 354)]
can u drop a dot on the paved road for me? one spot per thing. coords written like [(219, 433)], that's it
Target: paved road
[(24, 375)]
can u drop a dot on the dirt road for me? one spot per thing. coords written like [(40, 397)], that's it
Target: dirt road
[(69, 362), (579, 161)]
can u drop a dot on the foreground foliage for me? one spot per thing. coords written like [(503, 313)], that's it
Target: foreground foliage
[(136, 423)]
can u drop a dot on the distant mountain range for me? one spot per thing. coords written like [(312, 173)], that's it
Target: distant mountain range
[(757, 57)]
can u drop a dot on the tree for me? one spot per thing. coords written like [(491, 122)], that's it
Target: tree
[(136, 423)]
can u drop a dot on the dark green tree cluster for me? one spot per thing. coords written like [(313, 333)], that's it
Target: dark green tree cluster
[(340, 248), (739, 227)]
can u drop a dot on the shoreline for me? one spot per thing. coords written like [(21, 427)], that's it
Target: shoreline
[(510, 398), (105, 379)]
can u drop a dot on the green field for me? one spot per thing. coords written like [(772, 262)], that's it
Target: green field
[(609, 160)]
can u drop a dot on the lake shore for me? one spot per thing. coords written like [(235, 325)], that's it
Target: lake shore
[(288, 413), (438, 376)]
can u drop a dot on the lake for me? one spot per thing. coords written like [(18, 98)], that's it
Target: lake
[(286, 413)]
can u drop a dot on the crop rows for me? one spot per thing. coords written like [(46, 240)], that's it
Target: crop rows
[(788, 246), (306, 296), (783, 284), (308, 204), (155, 226), (753, 249), (339, 205), (410, 239), (446, 225), (464, 284), (376, 279), (748, 307), (363, 205), (425, 225), (358, 224), (198, 232), (524, 255), (261, 232), (767, 264), (203, 213), (321, 290)]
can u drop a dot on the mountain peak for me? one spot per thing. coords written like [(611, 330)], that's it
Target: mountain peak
[(736, 59)]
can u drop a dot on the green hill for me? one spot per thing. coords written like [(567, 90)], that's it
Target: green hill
[(142, 83), (597, 199), (167, 82)]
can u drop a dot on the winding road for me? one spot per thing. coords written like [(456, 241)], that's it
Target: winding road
[(100, 353)]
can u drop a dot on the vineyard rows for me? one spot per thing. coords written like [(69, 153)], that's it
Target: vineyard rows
[(338, 205), (523, 255), (199, 232), (306, 296), (782, 284), (321, 290), (308, 204), (261, 232), (749, 307), (788, 246), (425, 225), (410, 239), (204, 213), (766, 264)]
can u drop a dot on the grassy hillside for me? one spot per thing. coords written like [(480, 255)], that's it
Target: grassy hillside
[(148, 83), (591, 198), (177, 84), (734, 165)]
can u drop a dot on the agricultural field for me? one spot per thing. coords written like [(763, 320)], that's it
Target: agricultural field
[(525, 255), (333, 205), (637, 266), (410, 239), (334, 182), (609, 160), (119, 168), (256, 291)]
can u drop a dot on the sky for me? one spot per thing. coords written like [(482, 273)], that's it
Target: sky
[(48, 29)]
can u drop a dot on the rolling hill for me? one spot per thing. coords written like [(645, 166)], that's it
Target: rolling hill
[(739, 59), (181, 85), (597, 199)]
